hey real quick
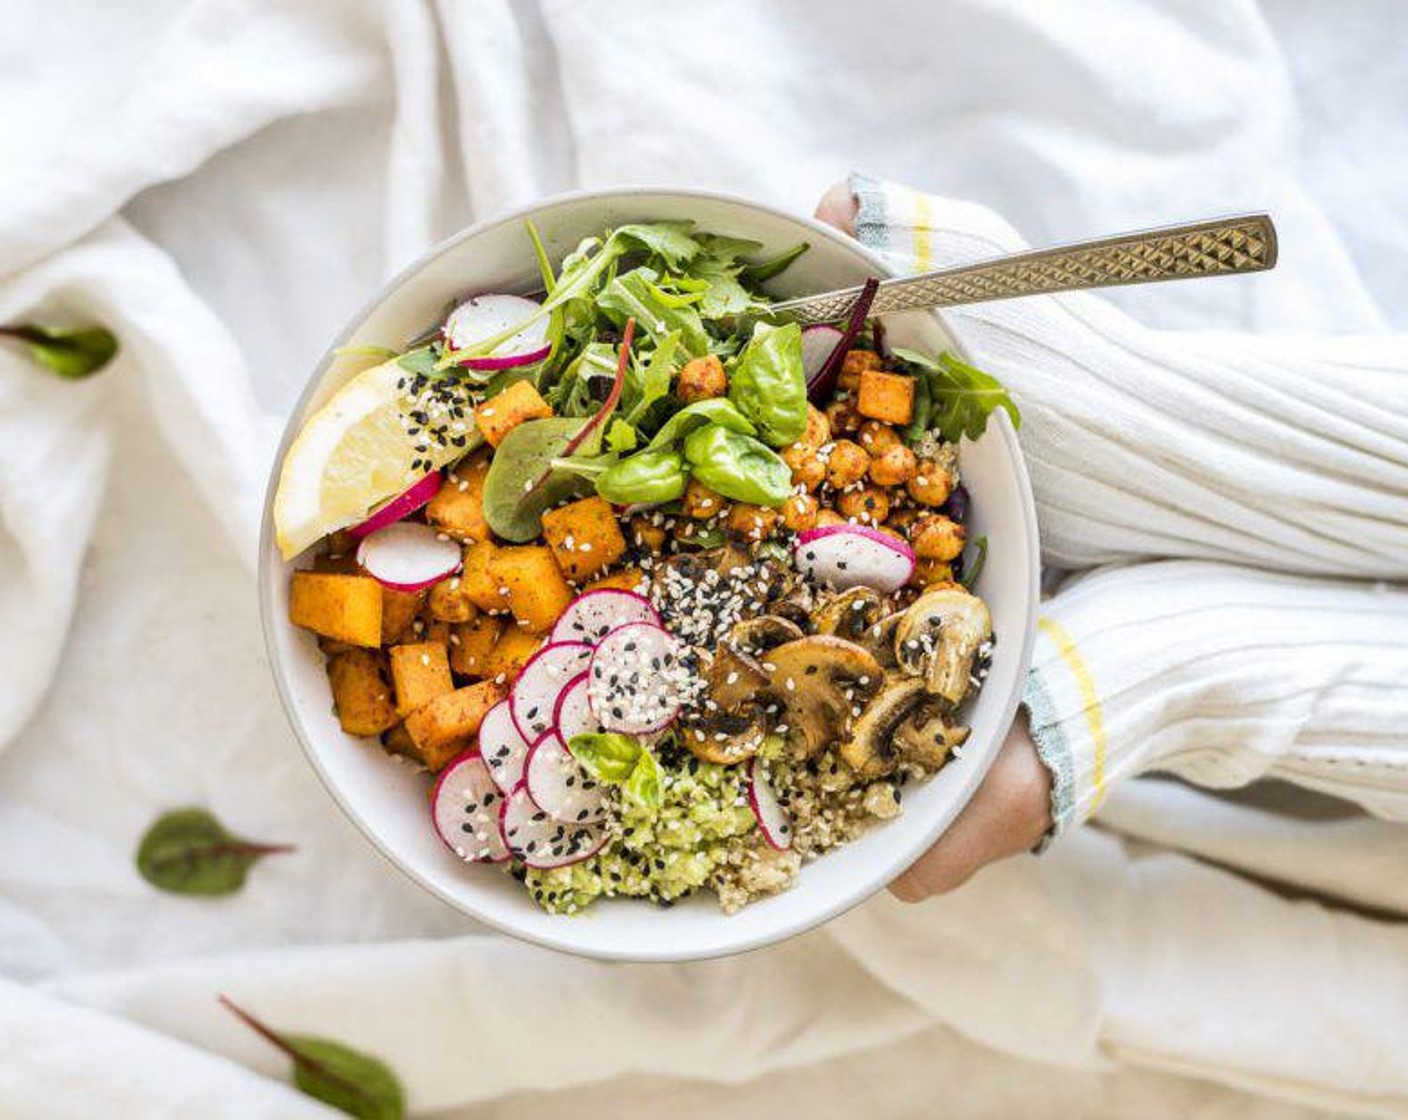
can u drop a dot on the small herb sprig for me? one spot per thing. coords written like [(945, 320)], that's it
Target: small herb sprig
[(72, 353), (349, 1080), (954, 398), (188, 851)]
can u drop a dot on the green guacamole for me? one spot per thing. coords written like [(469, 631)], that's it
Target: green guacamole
[(658, 853)]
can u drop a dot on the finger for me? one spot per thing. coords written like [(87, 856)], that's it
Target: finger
[(1008, 815), (838, 208)]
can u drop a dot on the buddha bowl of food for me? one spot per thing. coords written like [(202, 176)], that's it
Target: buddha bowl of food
[(627, 616)]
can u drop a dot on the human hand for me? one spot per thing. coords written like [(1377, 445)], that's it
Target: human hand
[(1011, 810)]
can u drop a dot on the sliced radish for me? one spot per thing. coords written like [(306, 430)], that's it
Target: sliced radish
[(503, 749), (532, 836), (481, 318), (401, 506), (773, 821), (636, 679), (818, 342), (560, 787), (465, 807), (534, 697), (592, 616), (574, 715), (407, 556), (843, 556)]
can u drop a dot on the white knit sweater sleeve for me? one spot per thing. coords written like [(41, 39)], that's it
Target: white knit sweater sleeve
[(1284, 455)]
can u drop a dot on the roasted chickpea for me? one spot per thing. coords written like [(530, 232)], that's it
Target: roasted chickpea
[(799, 513), (846, 464), (867, 505), (806, 464), (894, 468), (647, 535), (825, 517), (928, 573), (701, 379), (931, 484), (754, 523), (935, 537), (901, 519), (877, 437), (842, 415), (818, 429), (701, 503)]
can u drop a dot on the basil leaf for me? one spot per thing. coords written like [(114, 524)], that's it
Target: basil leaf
[(72, 353), (712, 410), (607, 756), (962, 396), (643, 785), (738, 466), (522, 484), (650, 476), (768, 385), (188, 851), (347, 1079)]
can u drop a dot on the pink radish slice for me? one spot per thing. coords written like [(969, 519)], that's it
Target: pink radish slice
[(636, 678), (592, 616), (401, 506), (560, 787), (465, 808), (818, 342), (574, 714), (533, 837), (481, 318), (502, 748), (773, 821), (843, 556), (407, 556), (534, 697)]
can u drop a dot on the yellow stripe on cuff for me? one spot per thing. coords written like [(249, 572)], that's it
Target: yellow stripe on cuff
[(1094, 713), (923, 246)]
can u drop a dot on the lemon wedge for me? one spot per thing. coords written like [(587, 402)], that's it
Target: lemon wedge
[(354, 453)]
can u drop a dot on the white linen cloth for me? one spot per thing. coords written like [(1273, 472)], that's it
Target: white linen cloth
[(222, 183)]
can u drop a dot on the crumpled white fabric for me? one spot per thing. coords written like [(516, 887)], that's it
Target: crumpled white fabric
[(222, 183)]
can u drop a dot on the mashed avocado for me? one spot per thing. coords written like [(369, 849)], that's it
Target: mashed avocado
[(659, 853)]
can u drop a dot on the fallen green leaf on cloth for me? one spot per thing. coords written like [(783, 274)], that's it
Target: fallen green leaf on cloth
[(73, 353), (187, 851)]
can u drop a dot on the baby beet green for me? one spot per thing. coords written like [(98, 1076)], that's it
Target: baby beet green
[(73, 354), (328, 1071), (738, 466), (651, 476), (768, 385), (187, 851)]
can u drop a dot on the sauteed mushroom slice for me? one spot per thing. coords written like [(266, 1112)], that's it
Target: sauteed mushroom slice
[(902, 724), (823, 682), (727, 737), (850, 614), (938, 639)]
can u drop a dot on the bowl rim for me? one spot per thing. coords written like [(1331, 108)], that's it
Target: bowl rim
[(848, 899)]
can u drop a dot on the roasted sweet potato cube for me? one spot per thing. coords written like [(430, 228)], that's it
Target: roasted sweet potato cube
[(436, 631), (421, 672), (398, 612), (450, 602), (537, 593), (453, 717), (698, 501), (504, 411), (478, 579), (510, 653), (361, 691), (458, 506), (343, 607), (627, 579), (470, 643), (886, 396), (398, 741), (585, 537)]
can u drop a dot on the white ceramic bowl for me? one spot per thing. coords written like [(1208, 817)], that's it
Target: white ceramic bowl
[(388, 801)]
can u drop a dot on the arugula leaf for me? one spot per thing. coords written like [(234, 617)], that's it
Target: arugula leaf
[(759, 272), (620, 437), (711, 410), (188, 851), (347, 1079), (670, 241), (72, 353), (572, 395), (632, 295), (648, 383), (541, 255), (962, 397)]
